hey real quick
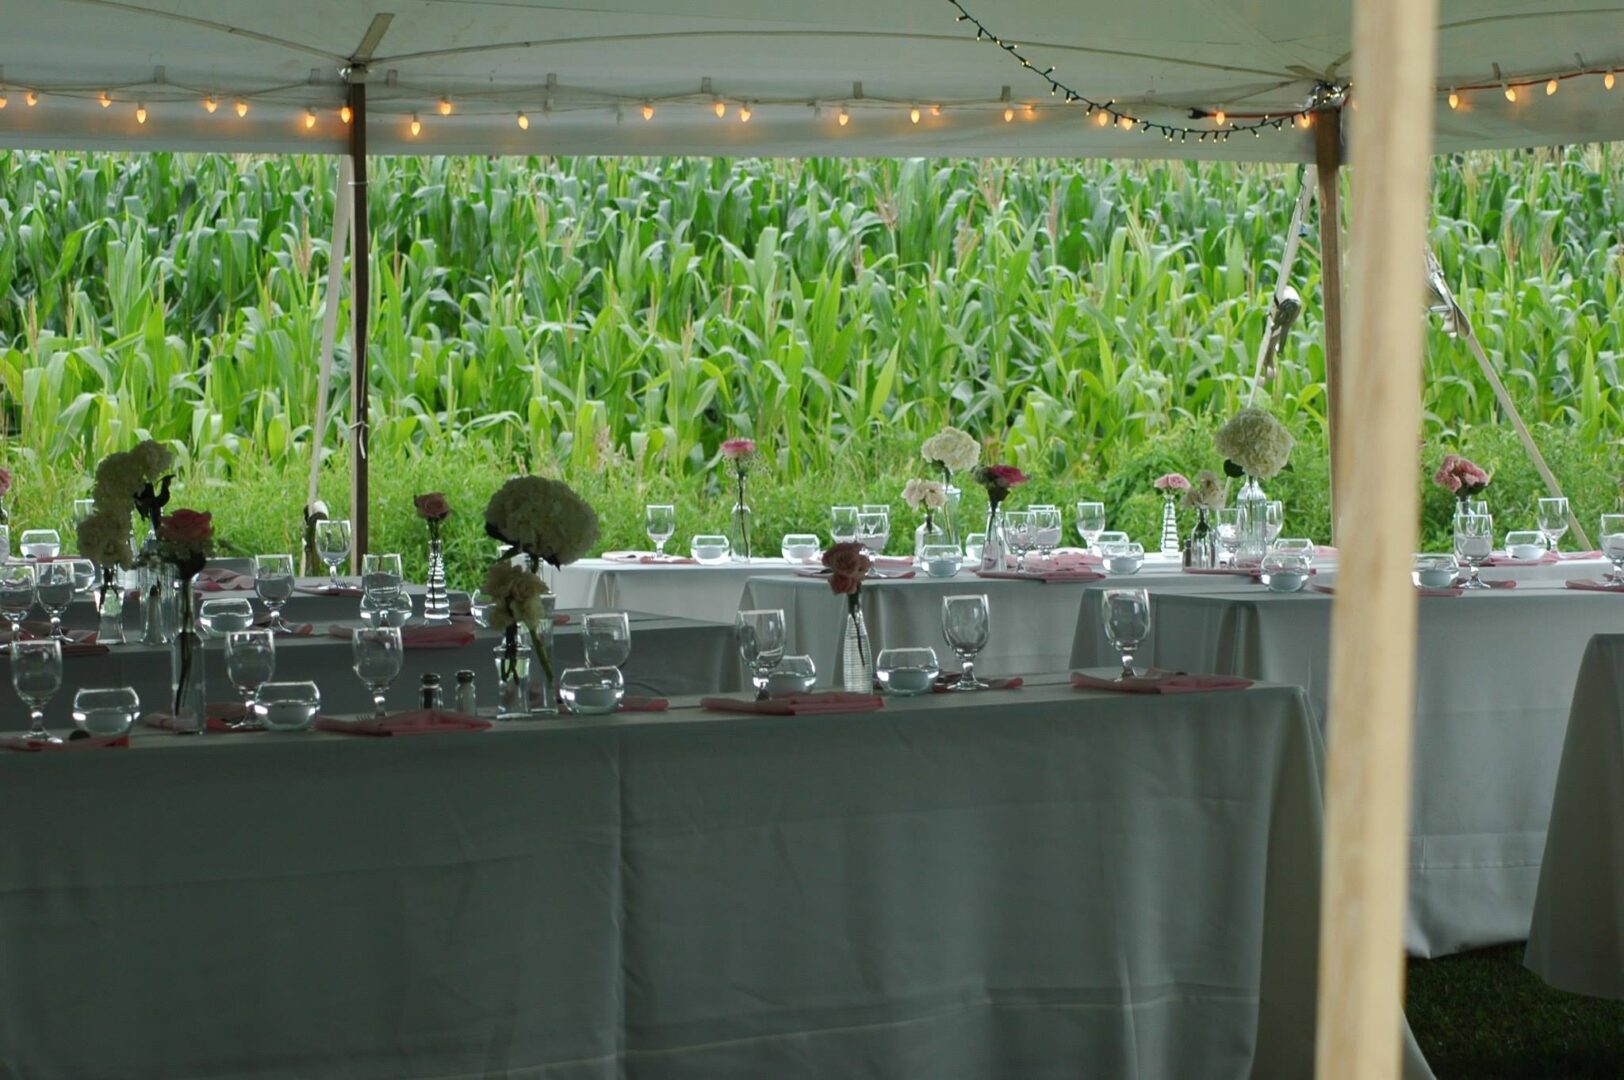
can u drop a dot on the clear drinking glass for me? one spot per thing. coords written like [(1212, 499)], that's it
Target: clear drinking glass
[(1552, 519), (606, 637), (1018, 531), (381, 576), (1434, 571), (974, 544), (109, 711), (1526, 544), (333, 545), (5, 542), (225, 615), (1474, 542), (82, 508), (1126, 615), (376, 653), (843, 523), (761, 636), (16, 595), (273, 582), (1122, 558), (907, 672), (1274, 512), (941, 560), (1612, 544), (55, 586), (479, 606), (660, 523), (1090, 522), (873, 529), (85, 576), (36, 675), (250, 663), (591, 691), (710, 550), (966, 625), (40, 544), (793, 675), (1046, 528), (287, 706), (1286, 571), (1228, 519), (800, 548)]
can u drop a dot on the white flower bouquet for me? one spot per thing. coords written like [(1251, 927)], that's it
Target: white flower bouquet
[(542, 519), (952, 451), (1255, 444)]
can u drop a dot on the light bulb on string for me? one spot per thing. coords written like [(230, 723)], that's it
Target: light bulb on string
[(720, 108), (844, 118), (936, 110), (4, 101), (1550, 88), (524, 122), (1009, 114), (1454, 100), (140, 113), (1511, 93), (105, 99), (32, 98), (1126, 123), (345, 113), (648, 110), (1305, 120), (210, 104), (1031, 112), (445, 106), (1219, 117), (1607, 81), (241, 107), (744, 114), (417, 126), (913, 115), (310, 119), (1101, 119)]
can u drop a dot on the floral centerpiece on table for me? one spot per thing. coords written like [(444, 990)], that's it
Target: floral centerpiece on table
[(928, 496), (433, 509), (848, 564), (126, 484), (951, 451), (185, 541), (740, 455), (1170, 484), (1462, 478), (1257, 447), (1205, 495), (998, 481)]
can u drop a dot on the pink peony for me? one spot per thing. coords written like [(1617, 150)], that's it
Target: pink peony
[(432, 507), (1460, 477), (1172, 482), (192, 528), (5, 481), (734, 449)]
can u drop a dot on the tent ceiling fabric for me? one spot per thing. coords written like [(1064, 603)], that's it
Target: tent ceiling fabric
[(794, 64)]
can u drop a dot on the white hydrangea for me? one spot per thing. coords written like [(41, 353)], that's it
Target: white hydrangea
[(517, 594), (1257, 443), (927, 493), (1206, 493), (952, 449), (104, 539), (543, 518), (154, 458)]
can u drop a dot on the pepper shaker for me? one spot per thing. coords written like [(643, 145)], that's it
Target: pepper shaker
[(430, 692), (465, 701)]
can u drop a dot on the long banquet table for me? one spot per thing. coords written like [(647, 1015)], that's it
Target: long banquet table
[(1017, 883), (1495, 676), (1576, 941)]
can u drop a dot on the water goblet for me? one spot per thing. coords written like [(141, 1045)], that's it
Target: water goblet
[(907, 672), (800, 548), (1228, 520), (17, 582), (1552, 519), (1474, 542), (110, 711), (479, 606), (40, 544), (287, 706), (1274, 519), (793, 675), (225, 615), (873, 530), (1046, 529), (36, 675), (55, 587), (1090, 522), (606, 639), (660, 524), (250, 663), (1018, 531), (966, 625), (375, 653), (761, 636), (333, 545), (1612, 544), (273, 583), (591, 691), (843, 524), (1126, 614), (711, 550), (85, 576)]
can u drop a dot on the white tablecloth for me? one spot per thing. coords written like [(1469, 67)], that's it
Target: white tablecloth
[(1022, 884), (696, 592), (1495, 676), (1576, 942)]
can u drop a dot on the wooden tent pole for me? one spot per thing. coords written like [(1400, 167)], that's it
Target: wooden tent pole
[(1367, 801), (360, 295), (1328, 162)]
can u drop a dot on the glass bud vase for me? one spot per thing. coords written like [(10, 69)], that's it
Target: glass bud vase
[(1201, 550), (856, 657), (1170, 526), (1254, 524), (738, 532), (929, 532), (543, 679), (110, 609), (436, 601), (188, 683), (513, 663), (950, 515), (996, 547), (158, 600)]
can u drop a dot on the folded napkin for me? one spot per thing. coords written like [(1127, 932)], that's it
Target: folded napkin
[(1154, 681), (1576, 556), (332, 590), (221, 715), (220, 579), (891, 562), (648, 558), (833, 701), (1071, 560), (643, 704), (945, 683), (416, 722), (1547, 559), (450, 636), (1049, 577), (1593, 585), (91, 742)]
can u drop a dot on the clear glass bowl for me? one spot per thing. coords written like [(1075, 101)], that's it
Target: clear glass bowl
[(907, 672), (218, 618), (801, 548), (1286, 571), (941, 560), (1121, 557), (710, 549), (108, 711), (287, 706), (1526, 545), (591, 691), (793, 675), (1435, 571)]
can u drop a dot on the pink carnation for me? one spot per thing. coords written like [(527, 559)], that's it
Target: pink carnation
[(1000, 476), (192, 528), (734, 449), (432, 506), (5, 481), (847, 559), (1172, 482), (1459, 476)]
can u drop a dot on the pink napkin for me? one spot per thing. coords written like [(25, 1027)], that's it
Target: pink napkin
[(833, 701), (1160, 682), (648, 558), (421, 637), (1575, 556), (221, 715), (95, 742), (1548, 559), (1048, 577), (643, 704), (1592, 585), (892, 562), (222, 580), (263, 622), (332, 590), (944, 684), (1505, 584), (1073, 560), (416, 722)]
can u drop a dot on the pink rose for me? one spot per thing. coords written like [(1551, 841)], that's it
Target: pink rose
[(847, 560), (1172, 482), (1459, 476), (734, 449), (5, 481), (191, 528), (432, 507)]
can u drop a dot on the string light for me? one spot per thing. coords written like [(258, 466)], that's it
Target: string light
[(209, 105), (1031, 113), (242, 108), (1607, 81), (720, 108), (648, 110), (3, 100), (1305, 120), (104, 99), (1219, 117), (445, 106), (345, 113), (1101, 119), (913, 115), (1126, 123), (1550, 88), (1454, 100), (936, 110), (1009, 114), (31, 98), (844, 118), (524, 122), (310, 119), (744, 114), (1511, 93), (417, 126), (140, 113)]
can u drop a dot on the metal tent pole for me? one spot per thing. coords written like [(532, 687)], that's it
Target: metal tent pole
[(360, 295)]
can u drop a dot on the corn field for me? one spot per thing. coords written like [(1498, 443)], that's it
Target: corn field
[(562, 310)]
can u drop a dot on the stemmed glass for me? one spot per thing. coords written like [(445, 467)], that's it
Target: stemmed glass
[(55, 586), (1018, 531), (966, 624), (1090, 522), (40, 544), (606, 638), (36, 675), (16, 595), (873, 528), (273, 582), (84, 576), (1127, 623), (843, 524), (1474, 542), (1229, 530), (761, 638), (660, 523), (333, 545), (1552, 519), (250, 663), (1274, 519), (1612, 544), (383, 585), (376, 655), (82, 508), (1046, 529)]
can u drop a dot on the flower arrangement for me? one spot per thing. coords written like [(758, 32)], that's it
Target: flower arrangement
[(1461, 477), (517, 594), (998, 481), (927, 495), (1206, 493), (126, 483), (544, 520), (185, 540), (1171, 482), (740, 454), (1254, 444), (952, 451), (433, 509), (104, 539), (848, 564)]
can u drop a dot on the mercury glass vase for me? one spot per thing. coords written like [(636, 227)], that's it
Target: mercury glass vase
[(1254, 524), (1170, 526), (436, 601), (856, 655)]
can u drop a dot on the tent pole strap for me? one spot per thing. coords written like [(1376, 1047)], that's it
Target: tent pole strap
[(329, 327), (1328, 162), (360, 294), (1373, 617)]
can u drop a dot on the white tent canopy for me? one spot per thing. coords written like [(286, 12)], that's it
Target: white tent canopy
[(583, 73)]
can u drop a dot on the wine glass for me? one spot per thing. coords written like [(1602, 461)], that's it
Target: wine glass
[(1046, 529), (1127, 623), (383, 586), (1090, 522), (1474, 542), (761, 637), (376, 655), (250, 663), (873, 529), (40, 544), (82, 508), (1612, 544), (1018, 531), (1552, 519), (36, 675), (843, 524), (1274, 519), (84, 576), (1229, 530), (333, 545), (660, 523), (55, 586), (273, 582), (109, 711), (966, 624), (16, 595), (606, 638)]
